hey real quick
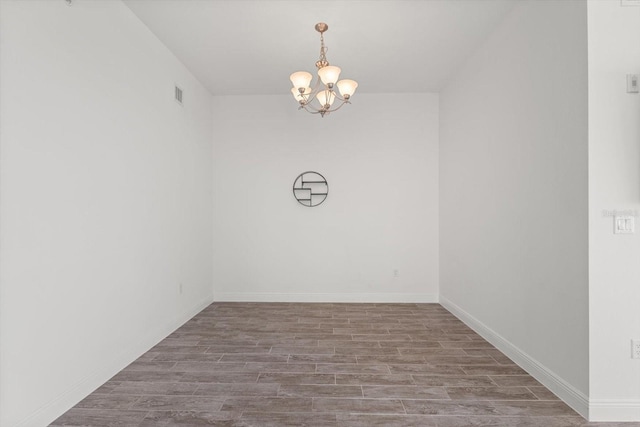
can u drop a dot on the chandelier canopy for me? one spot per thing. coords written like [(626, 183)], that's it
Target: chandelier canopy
[(323, 91)]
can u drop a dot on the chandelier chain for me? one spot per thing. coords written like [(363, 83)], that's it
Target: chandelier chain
[(322, 62)]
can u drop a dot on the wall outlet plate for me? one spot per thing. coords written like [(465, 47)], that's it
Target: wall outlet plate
[(633, 83), (635, 349)]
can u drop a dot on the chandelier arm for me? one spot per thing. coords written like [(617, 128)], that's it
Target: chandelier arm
[(340, 98), (338, 107), (313, 110), (314, 92), (310, 109)]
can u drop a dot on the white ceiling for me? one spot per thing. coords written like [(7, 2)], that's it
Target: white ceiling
[(251, 46)]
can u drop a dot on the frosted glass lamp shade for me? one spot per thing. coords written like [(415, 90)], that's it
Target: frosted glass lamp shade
[(301, 79), (329, 74), (297, 95), (347, 87), (326, 97)]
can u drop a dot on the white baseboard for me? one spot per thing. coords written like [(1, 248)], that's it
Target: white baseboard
[(565, 391), (325, 297), (614, 410), (68, 398)]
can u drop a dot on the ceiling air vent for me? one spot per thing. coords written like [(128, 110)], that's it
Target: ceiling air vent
[(178, 95)]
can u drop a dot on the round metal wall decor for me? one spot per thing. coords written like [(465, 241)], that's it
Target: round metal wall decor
[(310, 189)]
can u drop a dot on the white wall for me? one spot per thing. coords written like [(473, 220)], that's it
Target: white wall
[(105, 206), (380, 157), (513, 193), (614, 184)]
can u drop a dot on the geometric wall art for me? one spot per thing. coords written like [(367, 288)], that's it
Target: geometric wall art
[(310, 189)]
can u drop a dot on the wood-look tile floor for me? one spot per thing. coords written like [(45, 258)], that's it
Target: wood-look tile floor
[(288, 364)]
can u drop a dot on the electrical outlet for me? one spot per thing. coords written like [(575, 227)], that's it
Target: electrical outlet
[(633, 84), (635, 349)]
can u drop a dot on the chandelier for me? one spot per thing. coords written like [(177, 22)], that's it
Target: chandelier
[(323, 91)]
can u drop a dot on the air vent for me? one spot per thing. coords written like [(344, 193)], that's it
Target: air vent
[(178, 95)]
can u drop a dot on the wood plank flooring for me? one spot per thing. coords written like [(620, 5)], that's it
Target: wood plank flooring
[(291, 364)]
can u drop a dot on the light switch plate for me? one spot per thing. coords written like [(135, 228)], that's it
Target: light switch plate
[(633, 83), (624, 225)]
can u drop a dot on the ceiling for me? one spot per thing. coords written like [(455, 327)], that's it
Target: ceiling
[(241, 47)]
